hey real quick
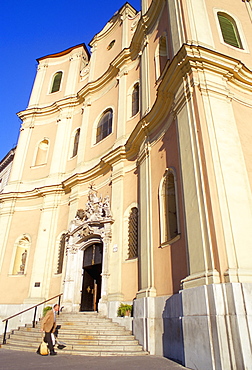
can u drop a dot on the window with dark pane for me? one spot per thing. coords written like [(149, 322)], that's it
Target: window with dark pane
[(170, 207), (133, 234), (229, 30), (56, 82), (135, 99), (76, 142), (104, 127), (62, 244)]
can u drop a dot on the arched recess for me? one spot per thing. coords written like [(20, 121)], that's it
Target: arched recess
[(21, 252), (42, 152), (161, 55), (75, 142), (168, 202), (135, 99)]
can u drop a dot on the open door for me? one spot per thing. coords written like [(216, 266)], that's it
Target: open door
[(91, 284)]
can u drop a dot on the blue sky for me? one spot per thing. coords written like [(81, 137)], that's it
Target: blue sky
[(31, 29)]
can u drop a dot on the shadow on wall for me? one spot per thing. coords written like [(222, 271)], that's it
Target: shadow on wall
[(173, 341)]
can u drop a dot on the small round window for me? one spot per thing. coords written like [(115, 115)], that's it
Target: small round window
[(111, 45)]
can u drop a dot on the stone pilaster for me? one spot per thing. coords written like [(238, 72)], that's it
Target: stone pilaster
[(147, 288), (38, 84)]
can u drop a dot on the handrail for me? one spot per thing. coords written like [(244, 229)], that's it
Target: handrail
[(28, 309)]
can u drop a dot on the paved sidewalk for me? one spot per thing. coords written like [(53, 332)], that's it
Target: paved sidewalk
[(17, 360)]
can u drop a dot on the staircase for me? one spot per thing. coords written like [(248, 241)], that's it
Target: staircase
[(84, 333)]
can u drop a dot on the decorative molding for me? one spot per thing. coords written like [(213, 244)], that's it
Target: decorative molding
[(90, 222), (75, 56), (42, 66)]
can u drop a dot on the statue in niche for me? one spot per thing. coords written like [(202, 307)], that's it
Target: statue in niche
[(23, 262)]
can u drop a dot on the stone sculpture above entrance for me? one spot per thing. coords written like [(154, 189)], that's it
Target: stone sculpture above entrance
[(90, 227)]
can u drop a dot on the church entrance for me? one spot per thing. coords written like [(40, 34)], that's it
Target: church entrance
[(91, 283)]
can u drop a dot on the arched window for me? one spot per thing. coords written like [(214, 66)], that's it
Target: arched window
[(133, 233), (76, 142), (161, 56), (56, 82), (20, 261), (229, 30), (42, 152), (135, 99), (62, 244), (168, 208), (104, 127)]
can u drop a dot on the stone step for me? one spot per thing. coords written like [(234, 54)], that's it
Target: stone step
[(86, 320), (95, 344), (81, 352), (82, 336), (88, 324), (76, 341), (86, 334), (89, 331)]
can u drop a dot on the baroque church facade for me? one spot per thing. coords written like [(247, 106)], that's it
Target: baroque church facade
[(131, 181)]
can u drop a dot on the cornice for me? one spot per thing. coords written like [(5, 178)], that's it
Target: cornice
[(98, 170), (189, 59), (123, 58), (34, 193), (104, 165), (98, 84), (196, 57), (55, 107), (114, 21)]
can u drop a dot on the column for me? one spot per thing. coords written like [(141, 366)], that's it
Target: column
[(200, 28), (44, 250), (74, 72), (21, 152), (6, 213), (103, 303), (122, 107), (83, 132), (62, 142), (249, 8), (116, 246), (145, 83), (147, 288), (92, 62), (35, 95)]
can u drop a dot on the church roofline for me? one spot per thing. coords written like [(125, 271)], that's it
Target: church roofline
[(64, 52), (115, 16)]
